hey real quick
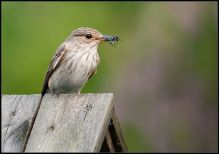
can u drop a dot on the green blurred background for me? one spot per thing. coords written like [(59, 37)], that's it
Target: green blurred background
[(163, 72)]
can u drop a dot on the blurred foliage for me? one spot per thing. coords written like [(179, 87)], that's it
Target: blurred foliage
[(163, 72), (135, 139)]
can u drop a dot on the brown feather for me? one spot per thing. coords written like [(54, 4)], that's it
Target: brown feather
[(91, 73), (53, 66)]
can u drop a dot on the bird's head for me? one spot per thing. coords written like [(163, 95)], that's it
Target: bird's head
[(90, 36)]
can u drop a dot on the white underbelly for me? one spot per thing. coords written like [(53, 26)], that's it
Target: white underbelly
[(71, 79), (68, 83)]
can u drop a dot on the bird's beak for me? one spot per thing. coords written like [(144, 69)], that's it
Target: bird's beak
[(109, 38)]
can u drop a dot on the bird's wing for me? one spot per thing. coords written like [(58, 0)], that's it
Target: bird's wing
[(57, 58), (91, 73)]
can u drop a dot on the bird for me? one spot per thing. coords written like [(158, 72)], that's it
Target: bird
[(73, 64), (75, 61)]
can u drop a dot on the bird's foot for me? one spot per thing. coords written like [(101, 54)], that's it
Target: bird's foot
[(53, 92), (78, 95)]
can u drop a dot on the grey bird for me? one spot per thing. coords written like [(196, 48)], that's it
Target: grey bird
[(75, 61)]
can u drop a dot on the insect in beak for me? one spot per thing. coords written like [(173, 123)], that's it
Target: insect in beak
[(110, 39)]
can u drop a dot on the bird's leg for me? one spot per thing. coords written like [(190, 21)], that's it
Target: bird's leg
[(78, 94), (55, 93)]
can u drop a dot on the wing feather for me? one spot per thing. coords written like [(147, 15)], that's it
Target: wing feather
[(57, 58), (92, 73)]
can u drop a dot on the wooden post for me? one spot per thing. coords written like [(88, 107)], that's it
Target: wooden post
[(60, 123)]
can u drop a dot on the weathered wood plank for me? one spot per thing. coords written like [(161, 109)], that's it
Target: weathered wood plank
[(17, 113), (71, 123), (117, 133)]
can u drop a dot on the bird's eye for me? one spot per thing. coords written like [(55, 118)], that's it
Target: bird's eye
[(88, 36)]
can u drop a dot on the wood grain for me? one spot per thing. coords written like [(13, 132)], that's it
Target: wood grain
[(71, 123), (17, 113), (117, 134)]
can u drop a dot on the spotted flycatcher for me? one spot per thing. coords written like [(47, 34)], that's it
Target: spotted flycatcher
[(75, 61)]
